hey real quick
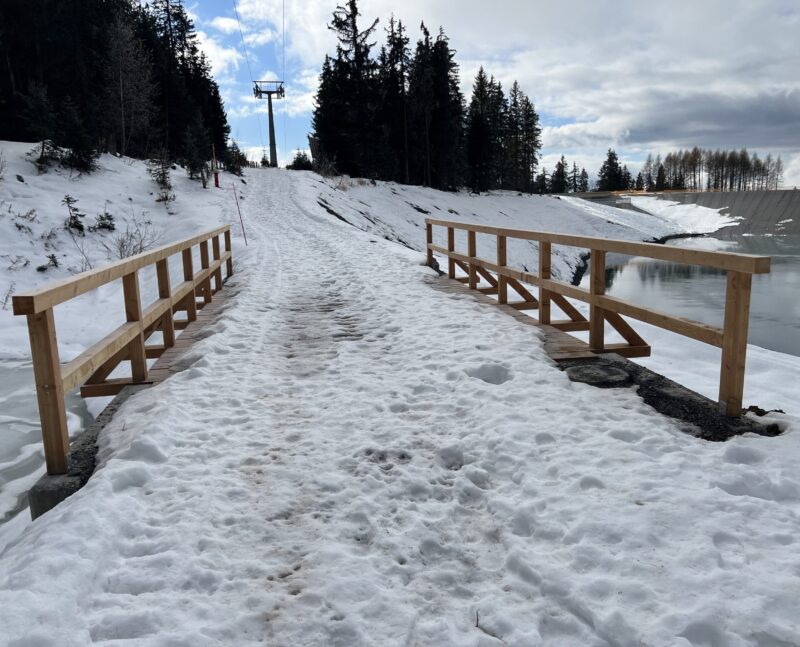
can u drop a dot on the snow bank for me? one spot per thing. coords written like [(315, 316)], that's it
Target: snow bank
[(686, 218), (32, 229)]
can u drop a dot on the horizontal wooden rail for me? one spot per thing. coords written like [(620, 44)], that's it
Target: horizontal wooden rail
[(128, 342), (731, 338)]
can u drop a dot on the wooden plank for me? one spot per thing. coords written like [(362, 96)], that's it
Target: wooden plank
[(569, 325), (626, 350), (722, 260), (49, 390), (567, 308), (108, 388), (155, 312), (164, 292), (734, 342), (155, 351), (451, 247), (597, 284), (489, 290), (624, 329), (133, 313), (520, 289), (189, 302), (429, 238), (545, 260), (228, 255), (486, 276), (60, 291), (472, 253), (524, 305), (502, 261), (108, 367), (567, 290), (217, 256), (94, 357), (687, 328)]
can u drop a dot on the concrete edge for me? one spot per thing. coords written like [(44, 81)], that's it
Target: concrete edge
[(52, 489)]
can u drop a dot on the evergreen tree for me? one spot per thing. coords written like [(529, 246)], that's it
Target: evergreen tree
[(197, 149), (639, 182), (73, 134), (610, 176), (559, 180), (574, 178), (661, 178), (583, 183), (542, 184)]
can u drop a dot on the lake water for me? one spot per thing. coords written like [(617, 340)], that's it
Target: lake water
[(698, 293)]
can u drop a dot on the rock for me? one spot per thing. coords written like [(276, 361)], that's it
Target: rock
[(599, 375)]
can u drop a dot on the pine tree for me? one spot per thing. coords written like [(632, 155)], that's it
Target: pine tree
[(559, 180), (197, 149), (639, 182), (480, 149), (583, 183), (574, 178), (610, 176)]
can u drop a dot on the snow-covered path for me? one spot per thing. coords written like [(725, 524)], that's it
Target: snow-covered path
[(355, 458)]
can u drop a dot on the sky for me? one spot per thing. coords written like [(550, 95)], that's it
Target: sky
[(635, 76)]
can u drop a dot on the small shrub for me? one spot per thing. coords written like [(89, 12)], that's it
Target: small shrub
[(74, 220), (104, 221), (138, 237), (52, 261), (159, 167)]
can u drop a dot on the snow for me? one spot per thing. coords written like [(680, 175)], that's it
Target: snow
[(353, 457), (686, 218)]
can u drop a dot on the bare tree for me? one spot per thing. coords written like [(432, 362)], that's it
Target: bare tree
[(130, 87)]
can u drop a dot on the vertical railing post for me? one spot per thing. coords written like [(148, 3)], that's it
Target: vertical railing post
[(165, 292), (188, 275), (451, 247), (597, 288), (734, 342), (49, 390), (544, 274), (215, 254), (502, 284), (472, 252), (205, 264), (429, 239), (133, 312), (228, 248)]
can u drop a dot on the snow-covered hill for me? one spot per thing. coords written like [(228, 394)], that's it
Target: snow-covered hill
[(33, 235)]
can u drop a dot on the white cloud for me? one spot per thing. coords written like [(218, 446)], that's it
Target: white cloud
[(223, 59), (636, 76), (224, 24)]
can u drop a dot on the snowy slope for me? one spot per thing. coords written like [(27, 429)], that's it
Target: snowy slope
[(355, 458), (32, 228), (689, 218), (398, 213)]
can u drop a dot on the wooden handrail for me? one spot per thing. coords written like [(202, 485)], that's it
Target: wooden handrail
[(127, 343), (731, 338)]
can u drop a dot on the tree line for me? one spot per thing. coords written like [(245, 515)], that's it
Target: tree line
[(108, 75), (694, 169), (401, 116)]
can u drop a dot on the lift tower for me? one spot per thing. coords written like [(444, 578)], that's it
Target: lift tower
[(269, 88)]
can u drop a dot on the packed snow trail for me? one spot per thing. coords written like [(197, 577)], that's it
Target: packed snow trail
[(354, 458)]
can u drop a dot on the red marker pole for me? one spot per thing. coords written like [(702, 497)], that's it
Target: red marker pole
[(233, 186)]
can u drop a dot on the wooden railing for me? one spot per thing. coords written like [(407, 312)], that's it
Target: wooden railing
[(92, 367), (731, 338)]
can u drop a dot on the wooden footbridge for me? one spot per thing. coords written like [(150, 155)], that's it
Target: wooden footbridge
[(92, 368), (731, 338)]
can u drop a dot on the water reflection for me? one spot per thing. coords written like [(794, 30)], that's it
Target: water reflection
[(698, 292)]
